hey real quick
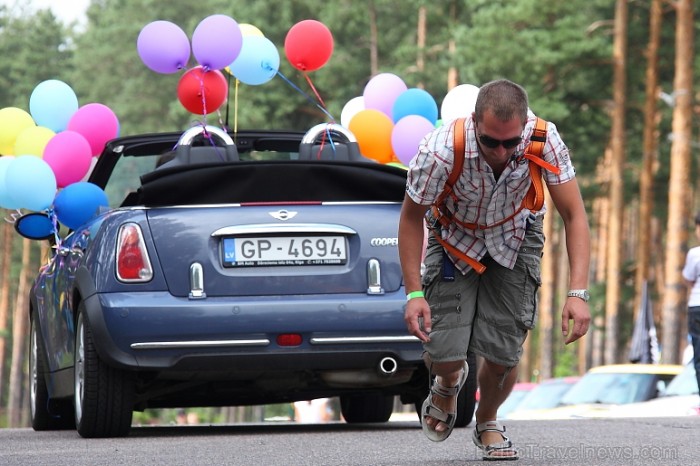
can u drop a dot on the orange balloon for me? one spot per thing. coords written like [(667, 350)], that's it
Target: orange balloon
[(372, 129)]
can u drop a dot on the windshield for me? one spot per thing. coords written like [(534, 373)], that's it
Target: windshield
[(684, 383), (545, 395), (610, 388)]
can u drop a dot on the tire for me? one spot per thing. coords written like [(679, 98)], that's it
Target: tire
[(46, 414), (372, 408), (104, 395), (466, 402)]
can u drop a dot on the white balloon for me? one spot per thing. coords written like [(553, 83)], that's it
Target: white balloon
[(351, 108), (459, 102)]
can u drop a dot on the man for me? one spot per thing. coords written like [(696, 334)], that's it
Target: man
[(691, 273), (452, 308)]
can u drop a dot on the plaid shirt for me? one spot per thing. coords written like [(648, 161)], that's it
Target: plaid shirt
[(480, 197)]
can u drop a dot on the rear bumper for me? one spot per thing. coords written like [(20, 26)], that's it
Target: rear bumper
[(156, 331)]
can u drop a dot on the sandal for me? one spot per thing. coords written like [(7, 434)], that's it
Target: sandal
[(430, 410), (506, 446)]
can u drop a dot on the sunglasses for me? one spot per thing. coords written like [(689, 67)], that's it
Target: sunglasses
[(492, 143)]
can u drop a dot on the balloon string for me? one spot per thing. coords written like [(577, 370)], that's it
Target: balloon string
[(296, 88), (313, 88)]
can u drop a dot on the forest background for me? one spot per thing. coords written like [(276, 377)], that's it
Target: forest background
[(616, 77)]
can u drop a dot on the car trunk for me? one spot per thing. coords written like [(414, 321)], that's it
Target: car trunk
[(254, 229)]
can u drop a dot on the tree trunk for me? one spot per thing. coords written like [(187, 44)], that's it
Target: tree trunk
[(20, 329), (547, 303), (649, 155), (7, 235), (679, 198), (420, 43), (612, 295), (373, 39), (452, 73)]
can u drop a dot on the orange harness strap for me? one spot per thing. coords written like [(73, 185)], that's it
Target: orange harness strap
[(439, 214)]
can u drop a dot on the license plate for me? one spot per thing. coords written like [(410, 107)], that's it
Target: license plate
[(276, 250)]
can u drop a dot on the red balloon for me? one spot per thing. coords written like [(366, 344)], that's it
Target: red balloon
[(308, 45), (202, 92)]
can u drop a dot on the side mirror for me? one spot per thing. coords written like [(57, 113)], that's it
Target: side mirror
[(36, 226)]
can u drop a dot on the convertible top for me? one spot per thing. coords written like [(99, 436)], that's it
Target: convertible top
[(272, 181)]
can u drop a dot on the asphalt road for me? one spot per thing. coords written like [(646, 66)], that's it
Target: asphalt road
[(646, 441)]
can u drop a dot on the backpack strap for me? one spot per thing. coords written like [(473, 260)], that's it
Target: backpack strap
[(439, 215)]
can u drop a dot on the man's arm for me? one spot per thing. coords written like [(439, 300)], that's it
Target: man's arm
[(567, 199), (411, 235)]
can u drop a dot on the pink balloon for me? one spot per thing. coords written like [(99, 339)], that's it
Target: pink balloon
[(69, 155), (407, 135), (97, 123), (381, 92)]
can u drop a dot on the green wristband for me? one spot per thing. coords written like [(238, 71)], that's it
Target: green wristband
[(414, 294)]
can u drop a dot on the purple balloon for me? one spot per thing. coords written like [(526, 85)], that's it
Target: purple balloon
[(381, 92), (163, 47), (217, 41), (407, 135)]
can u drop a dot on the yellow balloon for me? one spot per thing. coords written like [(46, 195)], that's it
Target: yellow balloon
[(12, 121), (250, 30), (33, 140)]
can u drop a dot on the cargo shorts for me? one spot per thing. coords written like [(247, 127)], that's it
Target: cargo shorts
[(488, 314)]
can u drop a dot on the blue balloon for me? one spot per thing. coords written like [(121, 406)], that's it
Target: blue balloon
[(6, 200), (30, 182), (415, 102), (79, 202), (257, 62), (52, 104)]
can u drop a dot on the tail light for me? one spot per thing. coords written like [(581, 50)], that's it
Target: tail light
[(133, 264)]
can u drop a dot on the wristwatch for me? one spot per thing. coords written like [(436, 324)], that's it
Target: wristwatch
[(582, 294)]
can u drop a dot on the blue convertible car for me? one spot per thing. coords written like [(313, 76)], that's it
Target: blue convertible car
[(230, 269)]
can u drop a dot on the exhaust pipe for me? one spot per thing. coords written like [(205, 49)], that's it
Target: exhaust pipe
[(388, 366)]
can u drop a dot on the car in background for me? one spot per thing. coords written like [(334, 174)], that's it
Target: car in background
[(606, 386), (680, 398), (235, 269), (545, 395), (519, 392)]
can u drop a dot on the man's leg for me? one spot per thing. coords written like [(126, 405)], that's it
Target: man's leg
[(495, 384), (447, 374)]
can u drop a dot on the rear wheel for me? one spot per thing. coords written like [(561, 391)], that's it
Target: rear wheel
[(466, 402), (373, 407), (46, 414), (104, 395)]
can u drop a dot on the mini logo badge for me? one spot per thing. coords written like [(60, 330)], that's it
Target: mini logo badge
[(283, 214)]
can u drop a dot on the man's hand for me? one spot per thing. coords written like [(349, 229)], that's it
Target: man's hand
[(417, 318), (575, 310)]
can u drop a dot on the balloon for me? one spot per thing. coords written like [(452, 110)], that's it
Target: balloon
[(202, 92), (52, 103), (6, 200), (351, 108), (382, 91), (459, 102), (407, 134), (97, 123), (258, 61), (69, 155), (163, 47), (216, 41), (30, 182), (373, 129), (12, 121), (415, 102), (308, 45), (76, 204), (32, 140), (250, 30)]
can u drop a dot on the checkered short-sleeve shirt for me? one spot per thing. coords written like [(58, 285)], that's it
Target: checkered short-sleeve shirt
[(480, 197)]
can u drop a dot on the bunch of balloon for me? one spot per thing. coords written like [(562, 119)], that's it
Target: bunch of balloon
[(50, 149)]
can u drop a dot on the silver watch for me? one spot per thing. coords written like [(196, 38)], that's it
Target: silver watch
[(582, 294)]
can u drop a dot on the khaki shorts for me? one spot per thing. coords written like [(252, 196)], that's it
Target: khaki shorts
[(488, 314)]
